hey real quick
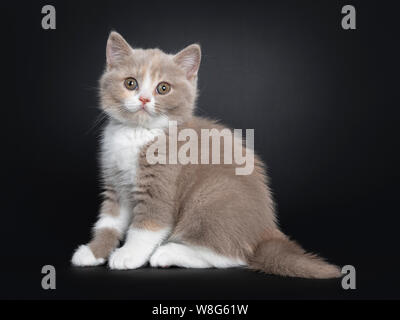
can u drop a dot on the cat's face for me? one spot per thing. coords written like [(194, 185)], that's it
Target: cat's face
[(148, 87)]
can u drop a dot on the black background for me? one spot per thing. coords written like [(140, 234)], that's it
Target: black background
[(323, 102)]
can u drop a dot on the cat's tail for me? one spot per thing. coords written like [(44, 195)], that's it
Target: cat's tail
[(285, 257)]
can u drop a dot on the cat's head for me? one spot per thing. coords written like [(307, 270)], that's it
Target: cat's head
[(148, 87)]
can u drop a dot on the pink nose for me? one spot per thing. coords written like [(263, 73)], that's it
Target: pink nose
[(144, 100)]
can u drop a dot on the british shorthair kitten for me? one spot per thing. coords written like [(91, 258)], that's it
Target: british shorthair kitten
[(178, 214)]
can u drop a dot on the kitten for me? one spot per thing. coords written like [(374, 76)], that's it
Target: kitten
[(187, 215)]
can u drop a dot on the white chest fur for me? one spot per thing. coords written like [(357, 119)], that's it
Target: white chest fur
[(121, 147)]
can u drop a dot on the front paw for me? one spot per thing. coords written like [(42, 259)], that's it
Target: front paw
[(163, 257), (126, 258), (84, 257)]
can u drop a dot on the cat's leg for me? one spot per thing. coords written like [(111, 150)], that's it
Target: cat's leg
[(145, 234), (113, 220), (189, 256)]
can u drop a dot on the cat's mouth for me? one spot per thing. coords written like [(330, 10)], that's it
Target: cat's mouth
[(143, 109), (138, 110)]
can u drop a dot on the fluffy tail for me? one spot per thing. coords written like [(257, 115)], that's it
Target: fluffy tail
[(284, 257)]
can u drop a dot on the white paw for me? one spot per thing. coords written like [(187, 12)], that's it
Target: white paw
[(84, 257), (126, 258), (162, 257)]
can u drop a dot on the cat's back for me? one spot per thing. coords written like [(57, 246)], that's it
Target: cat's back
[(208, 132), (198, 123)]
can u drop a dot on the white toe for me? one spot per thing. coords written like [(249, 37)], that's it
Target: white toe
[(84, 257), (161, 257), (125, 258)]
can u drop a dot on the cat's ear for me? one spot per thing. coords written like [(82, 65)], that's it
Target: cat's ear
[(189, 60), (117, 49)]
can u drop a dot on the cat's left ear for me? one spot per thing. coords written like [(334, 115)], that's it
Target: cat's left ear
[(189, 60)]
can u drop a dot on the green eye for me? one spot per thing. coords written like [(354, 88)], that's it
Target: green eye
[(130, 83), (163, 88)]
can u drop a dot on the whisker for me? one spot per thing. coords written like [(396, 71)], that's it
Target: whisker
[(100, 119)]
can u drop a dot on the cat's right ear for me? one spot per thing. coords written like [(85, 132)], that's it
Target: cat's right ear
[(117, 49)]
